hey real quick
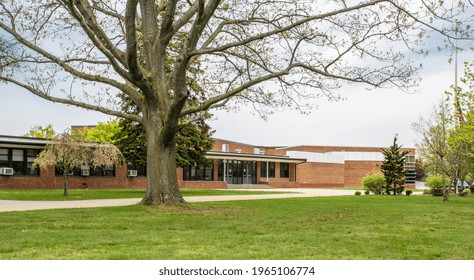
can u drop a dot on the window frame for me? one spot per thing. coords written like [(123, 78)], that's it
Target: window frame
[(284, 173), (271, 169), (23, 167)]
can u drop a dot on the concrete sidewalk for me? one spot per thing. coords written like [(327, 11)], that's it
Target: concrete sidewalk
[(23, 205)]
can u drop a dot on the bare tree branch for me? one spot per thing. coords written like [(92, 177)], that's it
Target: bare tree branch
[(88, 106)]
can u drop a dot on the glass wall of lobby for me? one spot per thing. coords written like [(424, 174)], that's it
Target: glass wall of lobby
[(254, 172), (237, 171)]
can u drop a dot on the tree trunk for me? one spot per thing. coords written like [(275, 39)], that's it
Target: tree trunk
[(162, 181), (66, 182), (445, 189)]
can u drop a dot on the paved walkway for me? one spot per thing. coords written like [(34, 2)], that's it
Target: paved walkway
[(23, 205)]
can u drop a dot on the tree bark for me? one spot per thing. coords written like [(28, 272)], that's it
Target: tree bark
[(66, 182), (162, 181), (445, 189)]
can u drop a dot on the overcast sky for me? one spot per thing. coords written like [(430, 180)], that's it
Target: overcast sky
[(365, 118)]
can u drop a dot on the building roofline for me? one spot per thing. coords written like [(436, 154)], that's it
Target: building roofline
[(246, 144), (253, 157), (22, 140), (339, 147)]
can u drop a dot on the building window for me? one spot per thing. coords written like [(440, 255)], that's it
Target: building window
[(410, 175), (30, 158), (271, 169), (21, 160), (18, 161), (284, 170), (102, 171), (141, 169), (4, 158), (106, 171), (198, 173)]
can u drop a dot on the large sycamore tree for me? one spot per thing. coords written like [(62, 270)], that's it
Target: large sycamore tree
[(85, 53)]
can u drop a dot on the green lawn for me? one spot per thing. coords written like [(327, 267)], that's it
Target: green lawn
[(75, 194), (350, 227)]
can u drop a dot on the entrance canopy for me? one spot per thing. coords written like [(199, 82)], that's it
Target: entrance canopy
[(252, 157)]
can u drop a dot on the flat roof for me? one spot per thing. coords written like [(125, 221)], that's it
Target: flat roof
[(252, 157), (23, 140)]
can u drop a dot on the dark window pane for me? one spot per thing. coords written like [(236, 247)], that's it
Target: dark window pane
[(30, 158), (271, 169), (4, 161), (18, 161), (198, 173), (284, 170)]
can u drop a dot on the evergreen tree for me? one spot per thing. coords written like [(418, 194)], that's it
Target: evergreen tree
[(393, 168)]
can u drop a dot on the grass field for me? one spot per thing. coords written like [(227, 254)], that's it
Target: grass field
[(350, 227), (75, 194)]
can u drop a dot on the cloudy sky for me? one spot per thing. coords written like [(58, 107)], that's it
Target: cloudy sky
[(364, 118)]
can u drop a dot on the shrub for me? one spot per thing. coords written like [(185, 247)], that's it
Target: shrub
[(408, 192), (464, 192), (471, 188), (374, 183), (358, 193), (400, 190), (436, 184), (428, 191), (367, 192)]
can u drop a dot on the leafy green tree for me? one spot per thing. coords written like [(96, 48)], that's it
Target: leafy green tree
[(268, 53), (393, 168), (40, 131), (433, 143), (461, 136), (103, 132)]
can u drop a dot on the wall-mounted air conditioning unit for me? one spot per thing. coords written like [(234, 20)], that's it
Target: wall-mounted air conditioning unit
[(7, 171), (85, 172), (132, 173)]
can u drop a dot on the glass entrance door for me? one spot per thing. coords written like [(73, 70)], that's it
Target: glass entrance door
[(249, 173), (237, 172)]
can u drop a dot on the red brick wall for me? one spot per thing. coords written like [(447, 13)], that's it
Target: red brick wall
[(354, 171), (48, 180), (307, 174), (246, 148), (320, 174)]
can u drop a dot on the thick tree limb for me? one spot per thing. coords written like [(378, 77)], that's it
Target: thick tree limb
[(71, 102)]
